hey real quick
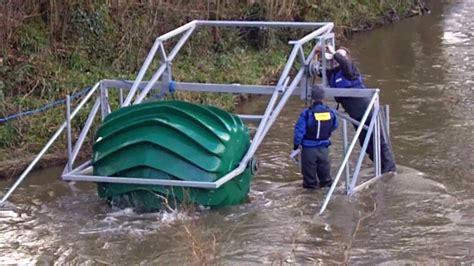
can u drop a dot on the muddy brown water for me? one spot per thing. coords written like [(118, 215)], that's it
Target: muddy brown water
[(425, 214)]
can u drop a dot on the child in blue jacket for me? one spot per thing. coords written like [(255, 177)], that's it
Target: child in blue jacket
[(312, 131)]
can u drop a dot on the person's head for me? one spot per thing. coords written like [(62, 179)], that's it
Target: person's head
[(343, 51), (317, 93), (328, 56)]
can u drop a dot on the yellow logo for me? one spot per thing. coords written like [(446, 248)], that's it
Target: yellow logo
[(322, 116)]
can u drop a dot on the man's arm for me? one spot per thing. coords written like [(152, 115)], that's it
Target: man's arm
[(346, 66), (300, 130), (329, 73), (335, 123)]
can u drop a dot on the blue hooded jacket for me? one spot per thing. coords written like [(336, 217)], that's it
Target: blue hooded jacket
[(314, 126)]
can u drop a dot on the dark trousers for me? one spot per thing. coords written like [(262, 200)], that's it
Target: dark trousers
[(315, 166), (386, 156), (356, 107)]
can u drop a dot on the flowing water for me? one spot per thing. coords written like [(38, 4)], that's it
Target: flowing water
[(424, 68)]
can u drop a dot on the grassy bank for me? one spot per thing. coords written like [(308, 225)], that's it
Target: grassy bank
[(52, 49)]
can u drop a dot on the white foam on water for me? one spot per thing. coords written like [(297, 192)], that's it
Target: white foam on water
[(454, 37), (127, 221), (121, 212)]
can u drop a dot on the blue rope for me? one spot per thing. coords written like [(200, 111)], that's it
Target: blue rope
[(44, 108), (171, 89)]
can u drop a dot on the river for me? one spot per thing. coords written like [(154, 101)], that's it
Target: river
[(423, 215)]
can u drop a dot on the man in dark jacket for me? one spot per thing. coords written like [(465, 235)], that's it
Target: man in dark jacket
[(312, 131), (345, 76)]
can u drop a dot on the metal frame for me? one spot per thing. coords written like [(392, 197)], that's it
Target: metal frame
[(286, 87)]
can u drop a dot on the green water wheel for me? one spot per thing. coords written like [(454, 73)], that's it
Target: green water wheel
[(173, 140)]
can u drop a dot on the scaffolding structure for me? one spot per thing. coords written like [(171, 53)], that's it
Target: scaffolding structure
[(287, 86)]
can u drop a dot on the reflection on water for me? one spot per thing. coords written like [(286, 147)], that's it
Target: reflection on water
[(423, 66)]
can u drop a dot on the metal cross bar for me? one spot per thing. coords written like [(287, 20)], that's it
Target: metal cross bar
[(238, 88), (376, 147), (120, 97), (261, 24), (85, 130), (180, 43), (365, 184), (141, 181), (80, 168), (162, 52), (288, 65), (228, 88), (352, 92), (147, 89), (250, 117), (387, 118), (344, 148), (323, 30), (141, 73), (324, 61), (177, 31), (301, 55), (68, 132), (346, 117), (104, 102)]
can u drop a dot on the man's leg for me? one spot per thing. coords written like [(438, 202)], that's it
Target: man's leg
[(387, 161), (370, 145), (308, 167), (386, 156), (324, 167)]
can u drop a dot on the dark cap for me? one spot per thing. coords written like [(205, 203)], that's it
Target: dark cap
[(317, 93)]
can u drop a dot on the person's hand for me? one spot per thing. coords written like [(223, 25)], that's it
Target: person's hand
[(342, 52), (318, 47), (330, 49), (294, 155)]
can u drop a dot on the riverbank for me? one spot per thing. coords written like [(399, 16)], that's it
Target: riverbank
[(53, 50)]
